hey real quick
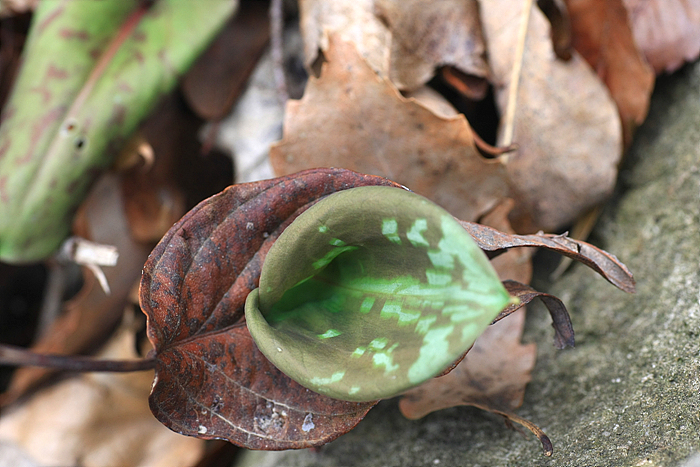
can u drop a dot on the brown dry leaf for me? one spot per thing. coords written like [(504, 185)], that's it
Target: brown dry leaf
[(565, 124), (98, 419), (217, 78), (427, 35), (602, 35), (494, 243), (514, 264), (352, 118), (211, 380), (406, 41), (666, 31), (353, 21), (91, 316)]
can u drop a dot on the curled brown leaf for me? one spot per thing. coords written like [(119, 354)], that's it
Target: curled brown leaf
[(211, 380), (602, 35), (561, 321), (607, 265)]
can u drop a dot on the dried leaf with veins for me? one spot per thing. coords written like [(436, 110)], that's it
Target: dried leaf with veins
[(565, 125), (352, 118), (211, 380), (428, 35), (602, 35), (666, 31)]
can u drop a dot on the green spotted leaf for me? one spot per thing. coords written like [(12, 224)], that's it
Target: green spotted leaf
[(372, 291)]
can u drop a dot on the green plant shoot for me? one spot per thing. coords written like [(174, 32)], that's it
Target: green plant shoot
[(372, 291), (91, 72)]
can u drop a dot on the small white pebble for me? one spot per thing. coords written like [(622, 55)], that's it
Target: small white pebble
[(202, 430)]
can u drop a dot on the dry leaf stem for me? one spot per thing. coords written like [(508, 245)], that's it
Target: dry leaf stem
[(17, 356), (509, 118), (277, 48)]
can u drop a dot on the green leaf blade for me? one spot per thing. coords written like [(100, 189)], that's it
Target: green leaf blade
[(405, 293)]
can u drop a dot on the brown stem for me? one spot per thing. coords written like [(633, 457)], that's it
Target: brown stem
[(277, 48), (491, 151), (17, 356)]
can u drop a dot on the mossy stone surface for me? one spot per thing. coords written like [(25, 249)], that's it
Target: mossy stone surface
[(629, 393)]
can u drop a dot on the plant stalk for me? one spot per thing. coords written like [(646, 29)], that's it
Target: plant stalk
[(16, 356)]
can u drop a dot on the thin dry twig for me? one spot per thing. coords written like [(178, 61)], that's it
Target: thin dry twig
[(509, 118), (17, 356), (277, 48)]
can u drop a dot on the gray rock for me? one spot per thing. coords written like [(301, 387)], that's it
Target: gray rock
[(629, 393)]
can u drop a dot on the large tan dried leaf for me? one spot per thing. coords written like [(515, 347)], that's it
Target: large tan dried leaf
[(352, 118), (98, 420), (565, 124), (427, 35), (352, 20), (602, 35), (667, 31)]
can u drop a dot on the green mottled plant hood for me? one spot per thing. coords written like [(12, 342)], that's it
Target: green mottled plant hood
[(372, 291)]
